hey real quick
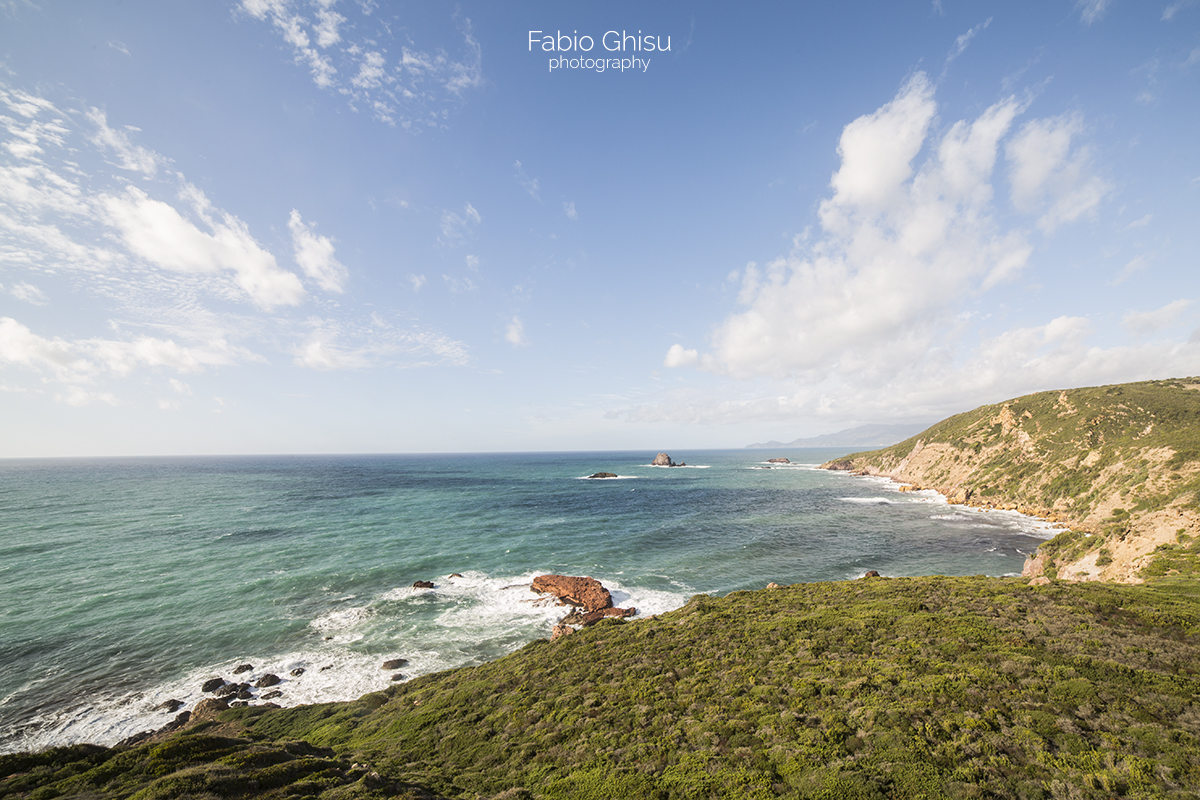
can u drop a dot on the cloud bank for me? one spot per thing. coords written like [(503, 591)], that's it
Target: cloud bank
[(869, 319)]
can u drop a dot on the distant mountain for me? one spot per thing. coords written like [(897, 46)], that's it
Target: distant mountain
[(862, 436)]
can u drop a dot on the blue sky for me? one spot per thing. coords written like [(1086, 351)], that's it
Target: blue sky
[(306, 226)]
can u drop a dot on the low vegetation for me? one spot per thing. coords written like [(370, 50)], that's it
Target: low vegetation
[(1120, 465), (914, 687)]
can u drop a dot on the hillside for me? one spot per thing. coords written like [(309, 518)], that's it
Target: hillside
[(1119, 465), (899, 688)]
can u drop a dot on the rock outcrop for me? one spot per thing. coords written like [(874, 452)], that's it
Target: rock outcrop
[(603, 475), (1118, 465), (664, 460), (586, 593), (591, 600), (778, 461)]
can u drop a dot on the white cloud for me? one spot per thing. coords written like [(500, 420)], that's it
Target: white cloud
[(514, 333), (1049, 176), (865, 318), (414, 90), (1170, 11), (1148, 322), (901, 244), (157, 232), (678, 357), (456, 227), (179, 387), (417, 282), (569, 210), (129, 156), (527, 183), (960, 44), (83, 360), (28, 292), (314, 254), (77, 396), (336, 345), (1092, 10)]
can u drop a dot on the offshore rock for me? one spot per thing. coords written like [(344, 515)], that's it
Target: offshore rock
[(664, 460), (394, 663), (212, 684), (603, 475), (587, 593), (240, 668), (266, 680), (423, 585), (170, 705), (297, 672), (778, 461)]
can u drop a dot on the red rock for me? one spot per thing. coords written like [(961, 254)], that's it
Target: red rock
[(587, 593)]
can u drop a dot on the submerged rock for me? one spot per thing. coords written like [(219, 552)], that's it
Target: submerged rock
[(603, 475), (297, 672), (394, 663), (423, 585)]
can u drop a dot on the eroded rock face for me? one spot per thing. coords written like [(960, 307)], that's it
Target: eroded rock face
[(587, 593)]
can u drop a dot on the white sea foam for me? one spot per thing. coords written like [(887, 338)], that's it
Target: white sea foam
[(484, 617), (867, 500)]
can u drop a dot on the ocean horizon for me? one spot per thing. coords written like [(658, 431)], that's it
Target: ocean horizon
[(129, 581)]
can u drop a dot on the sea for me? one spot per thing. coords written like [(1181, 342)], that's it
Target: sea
[(125, 583)]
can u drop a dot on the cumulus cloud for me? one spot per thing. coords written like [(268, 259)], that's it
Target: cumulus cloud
[(866, 318), (314, 254), (903, 241), (1051, 176), (359, 58), (678, 357)]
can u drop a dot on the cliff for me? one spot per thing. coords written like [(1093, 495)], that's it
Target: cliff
[(1119, 465)]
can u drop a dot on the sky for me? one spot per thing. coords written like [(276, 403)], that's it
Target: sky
[(357, 226)]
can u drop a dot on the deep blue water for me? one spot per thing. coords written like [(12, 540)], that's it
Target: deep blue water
[(126, 582)]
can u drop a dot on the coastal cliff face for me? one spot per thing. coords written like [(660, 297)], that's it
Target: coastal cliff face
[(1118, 465)]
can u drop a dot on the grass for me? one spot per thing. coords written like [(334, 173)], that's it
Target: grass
[(920, 687), (1071, 455)]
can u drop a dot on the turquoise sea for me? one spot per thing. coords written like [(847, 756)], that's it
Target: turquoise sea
[(127, 582)]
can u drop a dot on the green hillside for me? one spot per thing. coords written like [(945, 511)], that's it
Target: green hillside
[(1119, 465), (921, 687)]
